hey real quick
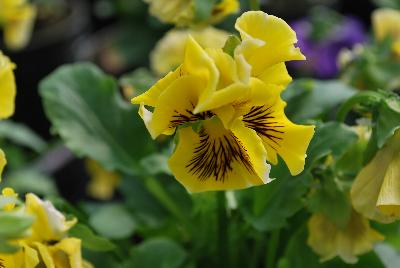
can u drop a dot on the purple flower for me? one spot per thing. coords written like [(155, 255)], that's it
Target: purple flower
[(322, 52)]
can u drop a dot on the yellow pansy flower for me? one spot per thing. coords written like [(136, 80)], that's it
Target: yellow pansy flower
[(46, 243), (386, 22), (267, 41), (375, 192), (169, 52), (8, 199), (50, 224), (7, 87), (182, 13), (329, 240), (102, 182), (17, 19)]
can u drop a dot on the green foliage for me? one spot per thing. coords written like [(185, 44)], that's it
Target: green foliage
[(87, 111), (203, 9), (112, 221), (30, 180), (12, 226), (138, 80), (90, 240), (230, 45), (157, 252), (21, 135), (309, 98)]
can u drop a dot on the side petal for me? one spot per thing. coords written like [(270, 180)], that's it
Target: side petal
[(150, 97), (279, 135), (7, 87), (175, 106), (219, 159), (67, 253), (389, 196), (277, 75)]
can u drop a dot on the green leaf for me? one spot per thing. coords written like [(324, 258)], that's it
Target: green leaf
[(329, 200), (158, 252), (89, 239), (112, 221), (13, 225), (86, 109), (139, 80), (268, 207), (230, 45), (22, 135), (30, 180), (312, 98), (388, 120), (203, 9), (331, 138)]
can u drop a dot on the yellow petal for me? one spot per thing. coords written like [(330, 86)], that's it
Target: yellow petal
[(385, 22), (224, 8), (276, 75), (371, 188), (10, 199), (169, 52), (7, 87), (389, 196), (198, 63), (219, 159), (18, 28), (102, 182), (279, 135), (45, 255), (150, 97), (26, 257), (267, 40), (328, 240), (175, 106), (3, 162), (49, 224), (179, 12), (67, 253)]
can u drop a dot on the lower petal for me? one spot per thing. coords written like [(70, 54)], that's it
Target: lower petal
[(219, 159)]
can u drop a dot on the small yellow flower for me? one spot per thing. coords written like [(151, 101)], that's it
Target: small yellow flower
[(102, 182), (8, 199), (182, 13), (375, 192), (329, 240), (46, 243), (386, 22), (170, 50), (17, 18), (7, 87)]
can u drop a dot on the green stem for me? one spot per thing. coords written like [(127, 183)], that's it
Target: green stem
[(363, 97), (223, 245), (254, 4), (272, 249), (154, 186)]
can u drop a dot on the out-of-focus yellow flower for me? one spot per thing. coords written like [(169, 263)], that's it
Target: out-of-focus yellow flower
[(17, 19), (182, 12), (386, 22), (375, 193), (3, 162), (7, 87), (46, 243), (267, 42), (329, 240), (102, 182), (8, 199), (50, 224), (170, 50)]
